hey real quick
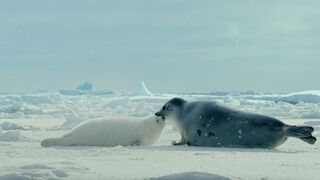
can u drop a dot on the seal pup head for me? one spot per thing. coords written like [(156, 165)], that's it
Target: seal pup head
[(171, 108), (151, 131), (154, 122), (159, 121)]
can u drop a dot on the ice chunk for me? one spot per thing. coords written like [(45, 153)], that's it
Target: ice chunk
[(122, 102), (12, 136), (10, 109), (28, 176), (14, 126), (303, 96), (36, 99), (11, 126), (60, 173), (192, 175), (308, 96)]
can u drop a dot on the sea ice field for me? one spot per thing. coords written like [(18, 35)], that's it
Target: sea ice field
[(27, 119)]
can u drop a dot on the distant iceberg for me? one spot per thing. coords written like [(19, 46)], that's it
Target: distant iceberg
[(86, 86), (85, 89), (141, 90)]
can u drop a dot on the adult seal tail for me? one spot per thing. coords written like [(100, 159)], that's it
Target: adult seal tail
[(207, 123), (301, 132)]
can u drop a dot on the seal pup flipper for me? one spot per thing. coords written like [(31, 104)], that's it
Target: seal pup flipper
[(302, 132), (175, 143), (50, 142), (181, 142), (62, 141)]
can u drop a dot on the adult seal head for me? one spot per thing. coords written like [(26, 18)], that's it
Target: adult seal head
[(207, 123)]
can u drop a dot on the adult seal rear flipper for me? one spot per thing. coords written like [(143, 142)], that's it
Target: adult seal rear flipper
[(302, 132)]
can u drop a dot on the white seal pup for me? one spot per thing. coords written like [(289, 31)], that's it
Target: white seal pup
[(112, 132), (207, 123)]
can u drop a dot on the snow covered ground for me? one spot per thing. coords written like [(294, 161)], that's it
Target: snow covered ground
[(26, 119)]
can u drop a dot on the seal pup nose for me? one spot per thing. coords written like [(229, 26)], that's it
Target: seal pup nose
[(159, 114)]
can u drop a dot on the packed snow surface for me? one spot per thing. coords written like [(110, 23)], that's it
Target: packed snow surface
[(27, 119)]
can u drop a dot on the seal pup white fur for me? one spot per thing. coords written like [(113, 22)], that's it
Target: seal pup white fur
[(112, 132)]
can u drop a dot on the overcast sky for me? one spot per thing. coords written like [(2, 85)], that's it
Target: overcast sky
[(172, 45)]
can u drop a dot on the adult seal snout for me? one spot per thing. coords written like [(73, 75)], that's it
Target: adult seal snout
[(207, 123)]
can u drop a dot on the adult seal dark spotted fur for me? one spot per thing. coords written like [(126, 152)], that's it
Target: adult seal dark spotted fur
[(207, 123)]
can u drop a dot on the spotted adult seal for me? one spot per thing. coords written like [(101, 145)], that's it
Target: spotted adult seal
[(207, 123), (112, 132)]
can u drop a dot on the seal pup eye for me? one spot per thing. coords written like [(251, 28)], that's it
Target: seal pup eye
[(163, 108)]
